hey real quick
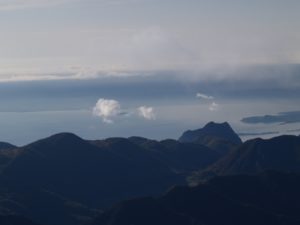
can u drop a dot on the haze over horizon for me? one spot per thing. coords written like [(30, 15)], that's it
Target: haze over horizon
[(102, 68)]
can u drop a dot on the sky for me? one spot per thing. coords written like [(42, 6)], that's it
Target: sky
[(154, 68), (87, 36)]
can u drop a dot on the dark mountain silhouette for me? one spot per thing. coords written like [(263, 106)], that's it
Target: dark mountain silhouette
[(43, 205), (5, 145), (7, 153), (280, 153), (74, 178), (268, 198), (180, 157), (71, 167), (64, 179), (220, 145), (217, 136), (219, 130), (15, 220)]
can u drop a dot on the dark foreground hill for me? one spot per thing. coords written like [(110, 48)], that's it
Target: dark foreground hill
[(254, 156), (64, 179), (15, 220), (5, 145), (180, 157), (268, 198)]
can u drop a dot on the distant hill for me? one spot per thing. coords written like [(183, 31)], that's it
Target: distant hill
[(218, 136), (5, 145), (64, 179), (267, 198), (7, 153), (75, 169), (180, 157), (74, 178), (254, 156)]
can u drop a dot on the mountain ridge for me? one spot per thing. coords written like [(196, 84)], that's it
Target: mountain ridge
[(79, 178), (95, 173), (280, 153), (215, 202)]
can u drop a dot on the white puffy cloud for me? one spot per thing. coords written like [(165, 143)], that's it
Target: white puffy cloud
[(147, 112), (214, 106), (204, 96), (107, 109)]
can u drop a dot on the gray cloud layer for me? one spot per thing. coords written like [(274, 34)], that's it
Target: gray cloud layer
[(23, 4), (283, 117), (258, 133)]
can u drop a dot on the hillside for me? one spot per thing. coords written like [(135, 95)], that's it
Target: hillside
[(75, 178), (267, 198), (254, 156)]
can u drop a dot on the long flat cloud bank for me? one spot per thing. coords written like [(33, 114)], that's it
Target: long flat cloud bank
[(263, 82), (284, 117), (283, 74)]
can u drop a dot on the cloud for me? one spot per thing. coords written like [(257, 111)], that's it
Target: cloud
[(154, 47), (292, 131), (7, 5), (213, 106), (107, 109), (170, 45), (147, 112), (283, 117), (204, 96), (258, 133), (23, 4)]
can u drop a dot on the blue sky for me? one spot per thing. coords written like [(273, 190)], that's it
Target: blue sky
[(155, 68)]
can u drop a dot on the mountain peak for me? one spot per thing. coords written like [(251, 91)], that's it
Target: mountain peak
[(64, 137), (213, 124), (212, 129), (5, 145), (60, 140)]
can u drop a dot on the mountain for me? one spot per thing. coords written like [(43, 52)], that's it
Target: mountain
[(279, 153), (81, 172), (43, 206), (267, 198), (180, 157), (7, 153), (15, 220), (218, 136), (64, 179), (74, 178), (5, 145)]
